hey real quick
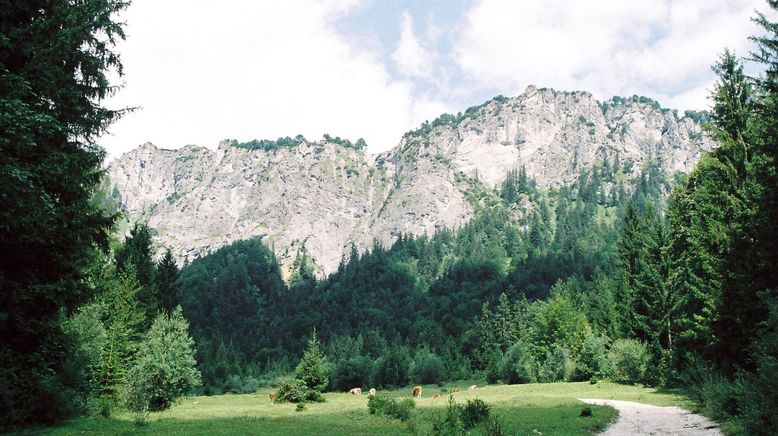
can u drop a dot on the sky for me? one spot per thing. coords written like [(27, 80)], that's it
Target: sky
[(201, 71)]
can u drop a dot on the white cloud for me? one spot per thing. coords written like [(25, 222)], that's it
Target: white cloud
[(658, 48), (411, 58), (205, 71)]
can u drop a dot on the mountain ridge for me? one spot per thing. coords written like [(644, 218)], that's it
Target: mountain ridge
[(323, 196)]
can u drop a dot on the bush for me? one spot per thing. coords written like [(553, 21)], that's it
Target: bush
[(556, 367), (397, 409), (494, 427), (717, 396), (241, 385), (474, 412), (592, 360), (392, 369), (514, 366), (629, 360), (165, 367), (429, 369), (450, 423), (351, 373), (291, 391)]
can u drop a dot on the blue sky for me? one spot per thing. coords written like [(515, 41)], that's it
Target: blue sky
[(203, 71)]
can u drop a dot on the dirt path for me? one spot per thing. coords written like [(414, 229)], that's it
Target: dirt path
[(644, 419)]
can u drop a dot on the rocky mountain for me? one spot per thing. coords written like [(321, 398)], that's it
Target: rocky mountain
[(323, 196)]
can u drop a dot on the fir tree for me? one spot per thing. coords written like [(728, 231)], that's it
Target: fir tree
[(313, 370)]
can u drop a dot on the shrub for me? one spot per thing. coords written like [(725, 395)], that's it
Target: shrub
[(164, 368), (429, 369), (716, 395), (474, 412), (514, 366), (291, 391), (557, 366), (300, 407), (494, 426), (629, 360), (450, 423), (397, 409), (592, 360), (392, 369), (351, 373), (241, 385)]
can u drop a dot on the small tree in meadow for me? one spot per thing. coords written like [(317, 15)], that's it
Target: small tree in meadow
[(313, 370), (165, 367)]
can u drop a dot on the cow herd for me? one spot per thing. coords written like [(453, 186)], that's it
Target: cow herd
[(416, 392)]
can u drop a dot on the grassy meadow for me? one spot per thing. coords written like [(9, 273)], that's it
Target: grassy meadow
[(525, 409)]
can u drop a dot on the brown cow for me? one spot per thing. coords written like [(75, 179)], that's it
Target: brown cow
[(355, 391), (455, 390), (472, 388), (417, 392), (371, 393), (272, 396)]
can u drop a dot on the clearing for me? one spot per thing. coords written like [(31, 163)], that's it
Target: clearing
[(548, 409)]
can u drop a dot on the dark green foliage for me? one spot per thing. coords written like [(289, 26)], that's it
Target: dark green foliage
[(351, 373), (135, 257), (495, 426), (313, 370), (586, 412), (55, 58), (516, 365), (359, 145), (397, 409), (450, 423), (166, 278), (392, 370), (164, 367), (291, 391), (474, 412), (225, 296), (428, 368), (268, 145)]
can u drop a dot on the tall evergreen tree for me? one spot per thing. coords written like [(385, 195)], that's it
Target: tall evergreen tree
[(165, 281), (55, 58)]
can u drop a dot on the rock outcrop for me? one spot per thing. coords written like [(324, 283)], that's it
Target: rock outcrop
[(324, 196)]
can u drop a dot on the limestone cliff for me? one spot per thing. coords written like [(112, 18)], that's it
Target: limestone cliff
[(325, 196)]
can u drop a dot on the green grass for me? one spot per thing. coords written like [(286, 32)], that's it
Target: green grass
[(547, 408)]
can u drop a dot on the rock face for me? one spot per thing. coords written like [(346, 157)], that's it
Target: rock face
[(323, 197)]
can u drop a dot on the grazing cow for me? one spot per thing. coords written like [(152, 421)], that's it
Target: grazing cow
[(436, 396), (417, 392), (272, 396), (371, 392), (355, 391), (472, 388), (455, 390)]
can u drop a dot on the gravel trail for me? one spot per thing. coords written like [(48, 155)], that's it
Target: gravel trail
[(645, 419)]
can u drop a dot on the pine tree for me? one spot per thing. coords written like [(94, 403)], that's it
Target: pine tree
[(55, 61), (165, 278), (312, 369), (136, 255)]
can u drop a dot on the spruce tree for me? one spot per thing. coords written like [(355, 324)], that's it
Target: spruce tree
[(55, 60), (166, 278), (313, 370)]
